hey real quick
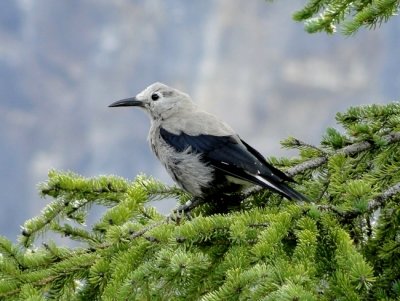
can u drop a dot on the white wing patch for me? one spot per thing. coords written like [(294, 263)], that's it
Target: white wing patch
[(268, 183), (236, 180)]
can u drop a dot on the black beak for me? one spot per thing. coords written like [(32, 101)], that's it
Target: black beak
[(127, 102)]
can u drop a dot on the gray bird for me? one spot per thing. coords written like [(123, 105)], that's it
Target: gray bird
[(201, 153)]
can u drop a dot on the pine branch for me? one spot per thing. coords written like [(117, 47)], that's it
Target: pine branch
[(142, 231), (380, 200), (373, 204), (306, 165), (370, 15), (324, 15), (349, 150)]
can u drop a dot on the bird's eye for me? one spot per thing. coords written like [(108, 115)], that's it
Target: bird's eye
[(155, 96)]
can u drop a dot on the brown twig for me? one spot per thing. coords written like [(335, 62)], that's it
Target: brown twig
[(349, 150), (373, 204)]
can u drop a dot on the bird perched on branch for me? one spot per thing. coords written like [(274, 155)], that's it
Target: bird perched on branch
[(203, 154)]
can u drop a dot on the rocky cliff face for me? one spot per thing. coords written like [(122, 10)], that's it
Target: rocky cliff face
[(63, 62)]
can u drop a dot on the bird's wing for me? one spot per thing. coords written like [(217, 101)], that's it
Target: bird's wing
[(232, 156), (260, 157)]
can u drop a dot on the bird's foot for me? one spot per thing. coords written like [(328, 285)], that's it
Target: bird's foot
[(184, 210)]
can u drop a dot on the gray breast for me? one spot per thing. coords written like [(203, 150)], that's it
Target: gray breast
[(185, 168)]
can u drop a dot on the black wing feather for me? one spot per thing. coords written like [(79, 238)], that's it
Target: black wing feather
[(273, 169), (237, 159)]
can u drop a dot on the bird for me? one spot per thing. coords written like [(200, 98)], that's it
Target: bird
[(201, 153)]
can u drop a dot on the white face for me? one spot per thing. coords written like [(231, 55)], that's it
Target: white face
[(162, 101)]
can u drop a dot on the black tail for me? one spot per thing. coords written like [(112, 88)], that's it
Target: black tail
[(288, 192)]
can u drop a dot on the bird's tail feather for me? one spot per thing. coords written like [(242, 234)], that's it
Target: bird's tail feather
[(282, 188), (291, 193)]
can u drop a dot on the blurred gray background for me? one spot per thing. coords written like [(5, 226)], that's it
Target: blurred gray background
[(62, 62)]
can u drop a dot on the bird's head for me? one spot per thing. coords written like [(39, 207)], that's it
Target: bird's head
[(159, 100)]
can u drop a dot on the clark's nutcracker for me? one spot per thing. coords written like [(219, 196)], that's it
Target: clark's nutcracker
[(201, 153)]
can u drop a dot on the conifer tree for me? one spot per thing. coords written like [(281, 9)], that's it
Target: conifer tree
[(325, 15), (343, 245)]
